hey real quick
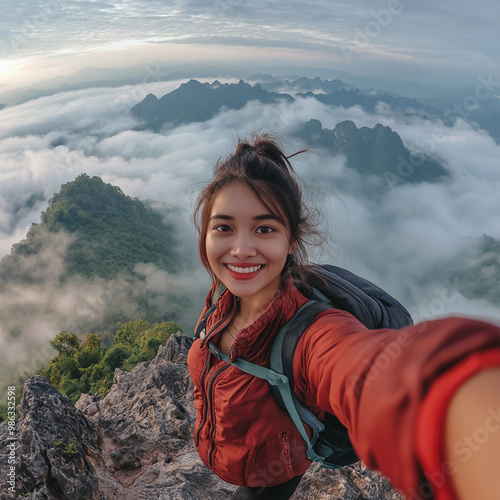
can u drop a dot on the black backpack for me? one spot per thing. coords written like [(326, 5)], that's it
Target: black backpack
[(328, 287)]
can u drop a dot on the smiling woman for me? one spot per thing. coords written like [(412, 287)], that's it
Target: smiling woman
[(402, 410)]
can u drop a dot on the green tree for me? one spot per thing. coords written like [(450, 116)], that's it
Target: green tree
[(87, 367), (90, 351), (116, 355), (130, 332), (66, 343)]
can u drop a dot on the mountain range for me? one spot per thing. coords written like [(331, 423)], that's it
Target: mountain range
[(197, 102), (378, 151), (474, 270), (370, 101), (375, 151)]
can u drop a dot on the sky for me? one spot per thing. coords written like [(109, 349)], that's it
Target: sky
[(400, 242), (449, 41)]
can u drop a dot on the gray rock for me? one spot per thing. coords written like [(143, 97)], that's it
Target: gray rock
[(136, 443), (57, 446)]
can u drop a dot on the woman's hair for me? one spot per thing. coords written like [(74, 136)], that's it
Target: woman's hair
[(262, 166)]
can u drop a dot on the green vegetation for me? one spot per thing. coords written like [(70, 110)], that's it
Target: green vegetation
[(113, 232), (68, 449), (88, 367), (475, 270), (112, 254)]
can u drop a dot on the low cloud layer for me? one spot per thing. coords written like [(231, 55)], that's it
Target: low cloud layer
[(395, 239)]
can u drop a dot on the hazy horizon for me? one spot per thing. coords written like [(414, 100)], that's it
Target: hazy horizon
[(440, 43)]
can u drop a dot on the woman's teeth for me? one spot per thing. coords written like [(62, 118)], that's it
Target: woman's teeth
[(244, 270)]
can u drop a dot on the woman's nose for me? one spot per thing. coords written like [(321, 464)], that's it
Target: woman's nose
[(243, 248)]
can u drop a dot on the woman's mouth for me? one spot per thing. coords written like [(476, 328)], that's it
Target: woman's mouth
[(243, 271)]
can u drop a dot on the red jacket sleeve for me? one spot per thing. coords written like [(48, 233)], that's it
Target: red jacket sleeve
[(375, 381)]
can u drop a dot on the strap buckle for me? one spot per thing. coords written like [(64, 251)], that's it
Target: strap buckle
[(217, 352)]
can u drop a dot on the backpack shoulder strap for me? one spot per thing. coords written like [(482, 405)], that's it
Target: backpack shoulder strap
[(203, 322), (329, 446), (282, 351), (288, 337)]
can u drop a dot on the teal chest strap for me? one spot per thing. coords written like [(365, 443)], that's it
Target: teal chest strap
[(282, 383)]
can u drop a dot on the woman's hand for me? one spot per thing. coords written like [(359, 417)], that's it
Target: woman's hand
[(473, 423)]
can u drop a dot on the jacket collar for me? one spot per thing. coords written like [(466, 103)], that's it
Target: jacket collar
[(254, 342)]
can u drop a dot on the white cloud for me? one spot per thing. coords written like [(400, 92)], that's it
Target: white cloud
[(394, 240)]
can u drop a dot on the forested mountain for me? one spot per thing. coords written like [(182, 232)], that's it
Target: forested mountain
[(111, 233), (197, 102), (474, 270), (373, 151), (96, 260)]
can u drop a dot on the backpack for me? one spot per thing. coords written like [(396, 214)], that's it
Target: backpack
[(327, 287)]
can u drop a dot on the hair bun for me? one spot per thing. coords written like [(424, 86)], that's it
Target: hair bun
[(244, 147)]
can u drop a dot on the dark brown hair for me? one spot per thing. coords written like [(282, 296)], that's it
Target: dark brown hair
[(262, 166)]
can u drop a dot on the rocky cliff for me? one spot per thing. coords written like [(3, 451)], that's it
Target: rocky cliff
[(135, 444)]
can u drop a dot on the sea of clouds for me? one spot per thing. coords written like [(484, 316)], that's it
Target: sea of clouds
[(395, 237)]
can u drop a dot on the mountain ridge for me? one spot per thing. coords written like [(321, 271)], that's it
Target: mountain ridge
[(375, 151), (197, 102), (112, 232), (96, 260)]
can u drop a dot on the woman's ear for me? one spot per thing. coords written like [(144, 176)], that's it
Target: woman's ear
[(293, 246)]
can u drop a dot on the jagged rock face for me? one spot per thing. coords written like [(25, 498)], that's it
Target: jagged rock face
[(136, 443), (56, 446)]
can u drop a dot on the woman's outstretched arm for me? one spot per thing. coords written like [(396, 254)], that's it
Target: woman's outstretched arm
[(392, 389)]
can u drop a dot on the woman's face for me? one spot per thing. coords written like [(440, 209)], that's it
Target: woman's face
[(246, 246)]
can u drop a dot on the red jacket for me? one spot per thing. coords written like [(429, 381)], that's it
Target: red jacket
[(374, 381)]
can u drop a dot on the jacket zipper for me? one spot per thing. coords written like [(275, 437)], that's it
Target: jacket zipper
[(212, 414), (204, 418), (286, 453), (207, 403)]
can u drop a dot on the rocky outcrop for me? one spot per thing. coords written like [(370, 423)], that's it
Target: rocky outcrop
[(136, 443), (57, 447)]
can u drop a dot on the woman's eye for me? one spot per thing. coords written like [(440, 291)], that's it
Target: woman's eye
[(265, 230), (223, 228)]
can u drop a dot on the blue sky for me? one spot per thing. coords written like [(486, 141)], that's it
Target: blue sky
[(446, 41)]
